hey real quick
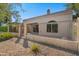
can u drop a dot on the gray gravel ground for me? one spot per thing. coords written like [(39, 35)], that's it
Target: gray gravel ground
[(10, 48)]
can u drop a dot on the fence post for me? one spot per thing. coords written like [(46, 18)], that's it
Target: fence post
[(77, 32), (25, 29), (19, 30), (77, 35)]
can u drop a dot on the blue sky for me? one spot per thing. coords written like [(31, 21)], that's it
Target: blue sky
[(37, 9)]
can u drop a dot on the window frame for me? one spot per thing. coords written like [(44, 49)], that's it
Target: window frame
[(51, 29)]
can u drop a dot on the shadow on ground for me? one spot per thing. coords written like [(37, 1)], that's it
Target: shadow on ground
[(24, 43)]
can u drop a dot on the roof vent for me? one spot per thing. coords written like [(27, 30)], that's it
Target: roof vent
[(48, 11)]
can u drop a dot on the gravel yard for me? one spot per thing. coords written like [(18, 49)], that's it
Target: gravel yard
[(11, 48)]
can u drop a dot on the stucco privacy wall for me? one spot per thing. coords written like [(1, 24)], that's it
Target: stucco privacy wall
[(67, 44), (75, 32), (64, 20)]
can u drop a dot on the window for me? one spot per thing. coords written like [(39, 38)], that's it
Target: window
[(52, 26), (35, 28), (48, 27)]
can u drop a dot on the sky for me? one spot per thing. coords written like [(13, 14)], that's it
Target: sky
[(37, 9)]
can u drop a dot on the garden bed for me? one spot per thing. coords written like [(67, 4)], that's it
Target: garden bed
[(5, 36)]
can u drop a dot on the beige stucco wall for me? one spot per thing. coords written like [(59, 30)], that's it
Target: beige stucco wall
[(63, 30), (62, 43), (64, 24)]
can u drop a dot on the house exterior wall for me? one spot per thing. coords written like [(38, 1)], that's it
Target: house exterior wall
[(63, 30), (64, 27), (64, 24)]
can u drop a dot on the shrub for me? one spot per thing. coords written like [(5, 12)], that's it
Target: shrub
[(6, 36), (35, 49), (3, 28)]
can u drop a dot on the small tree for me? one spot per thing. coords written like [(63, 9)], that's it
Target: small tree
[(7, 11), (75, 8)]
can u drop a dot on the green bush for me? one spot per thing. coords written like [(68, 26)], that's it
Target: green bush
[(3, 28), (6, 36)]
